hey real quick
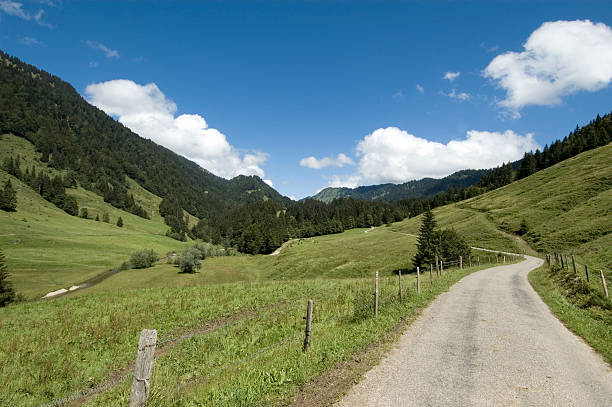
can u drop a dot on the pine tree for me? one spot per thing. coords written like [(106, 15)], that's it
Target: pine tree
[(120, 222), (8, 197), (7, 294), (426, 243), (105, 217)]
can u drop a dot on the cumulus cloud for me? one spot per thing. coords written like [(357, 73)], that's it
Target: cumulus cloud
[(15, 9), (146, 111), (461, 96), (420, 89), (559, 58), (451, 76), (108, 52), (394, 155), (339, 161)]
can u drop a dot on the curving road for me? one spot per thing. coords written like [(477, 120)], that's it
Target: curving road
[(489, 341)]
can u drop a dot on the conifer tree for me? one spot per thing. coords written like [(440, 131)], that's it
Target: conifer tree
[(120, 222), (8, 197), (426, 243), (7, 294)]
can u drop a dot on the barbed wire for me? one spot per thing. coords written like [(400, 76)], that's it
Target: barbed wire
[(86, 393)]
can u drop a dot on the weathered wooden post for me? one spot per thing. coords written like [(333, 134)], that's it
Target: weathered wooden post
[(470, 260), (143, 368), (460, 262), (586, 271), (574, 264), (479, 260), (376, 296), (441, 267), (562, 265), (308, 325), (504, 259), (603, 282), (430, 274), (437, 267), (418, 280), (400, 284)]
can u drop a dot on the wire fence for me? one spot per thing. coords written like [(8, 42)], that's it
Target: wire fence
[(580, 270), (390, 289)]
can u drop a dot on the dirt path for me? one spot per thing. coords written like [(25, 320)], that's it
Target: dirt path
[(489, 341)]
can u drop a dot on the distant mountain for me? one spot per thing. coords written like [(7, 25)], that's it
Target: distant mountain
[(411, 189), (101, 153)]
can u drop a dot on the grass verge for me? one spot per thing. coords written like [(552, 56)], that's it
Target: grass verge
[(581, 310)]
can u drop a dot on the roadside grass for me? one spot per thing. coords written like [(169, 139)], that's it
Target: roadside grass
[(579, 306)]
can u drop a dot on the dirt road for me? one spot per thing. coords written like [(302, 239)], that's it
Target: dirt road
[(489, 341)]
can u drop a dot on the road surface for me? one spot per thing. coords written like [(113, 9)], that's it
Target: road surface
[(489, 341)]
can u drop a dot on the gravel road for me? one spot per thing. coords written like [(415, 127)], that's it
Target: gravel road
[(489, 341)]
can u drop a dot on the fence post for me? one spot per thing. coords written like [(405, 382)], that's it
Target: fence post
[(418, 280), (479, 260), (308, 325), (143, 368), (460, 262), (400, 284), (504, 259), (562, 265), (430, 274), (586, 271), (376, 296), (470, 260), (603, 282), (437, 267), (574, 264)]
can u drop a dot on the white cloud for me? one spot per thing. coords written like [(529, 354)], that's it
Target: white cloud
[(109, 53), (559, 58), (14, 8), (397, 95), (30, 41), (269, 182), (461, 96), (393, 155), (339, 161), (146, 111), (420, 89), (451, 76)]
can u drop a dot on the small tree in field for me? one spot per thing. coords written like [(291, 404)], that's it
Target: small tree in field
[(105, 217), (190, 261), (120, 222), (7, 294), (143, 259), (84, 213), (8, 197)]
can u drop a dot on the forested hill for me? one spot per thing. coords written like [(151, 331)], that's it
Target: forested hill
[(73, 135), (408, 190)]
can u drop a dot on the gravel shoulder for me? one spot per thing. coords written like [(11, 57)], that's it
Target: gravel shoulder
[(488, 341)]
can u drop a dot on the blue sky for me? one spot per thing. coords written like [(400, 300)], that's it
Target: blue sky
[(311, 94)]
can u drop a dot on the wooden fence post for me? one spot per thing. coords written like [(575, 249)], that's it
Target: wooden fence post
[(418, 280), (479, 260), (430, 274), (437, 267), (400, 284), (460, 262), (308, 325), (143, 368), (376, 296), (586, 271), (441, 267), (562, 265), (574, 264), (603, 282), (470, 260)]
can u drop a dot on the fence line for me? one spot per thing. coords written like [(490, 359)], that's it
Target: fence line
[(561, 260)]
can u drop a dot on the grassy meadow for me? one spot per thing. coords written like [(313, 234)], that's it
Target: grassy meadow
[(99, 333)]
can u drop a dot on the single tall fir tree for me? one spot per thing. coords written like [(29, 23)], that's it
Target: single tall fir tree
[(426, 244), (7, 294)]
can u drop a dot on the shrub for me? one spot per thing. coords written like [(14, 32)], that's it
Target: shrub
[(143, 259), (190, 261), (120, 222), (7, 294)]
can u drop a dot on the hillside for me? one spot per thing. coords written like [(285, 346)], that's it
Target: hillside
[(73, 135), (566, 208), (407, 190)]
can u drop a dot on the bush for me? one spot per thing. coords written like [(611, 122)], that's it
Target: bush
[(84, 213), (190, 261), (7, 294), (120, 222), (143, 259)]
